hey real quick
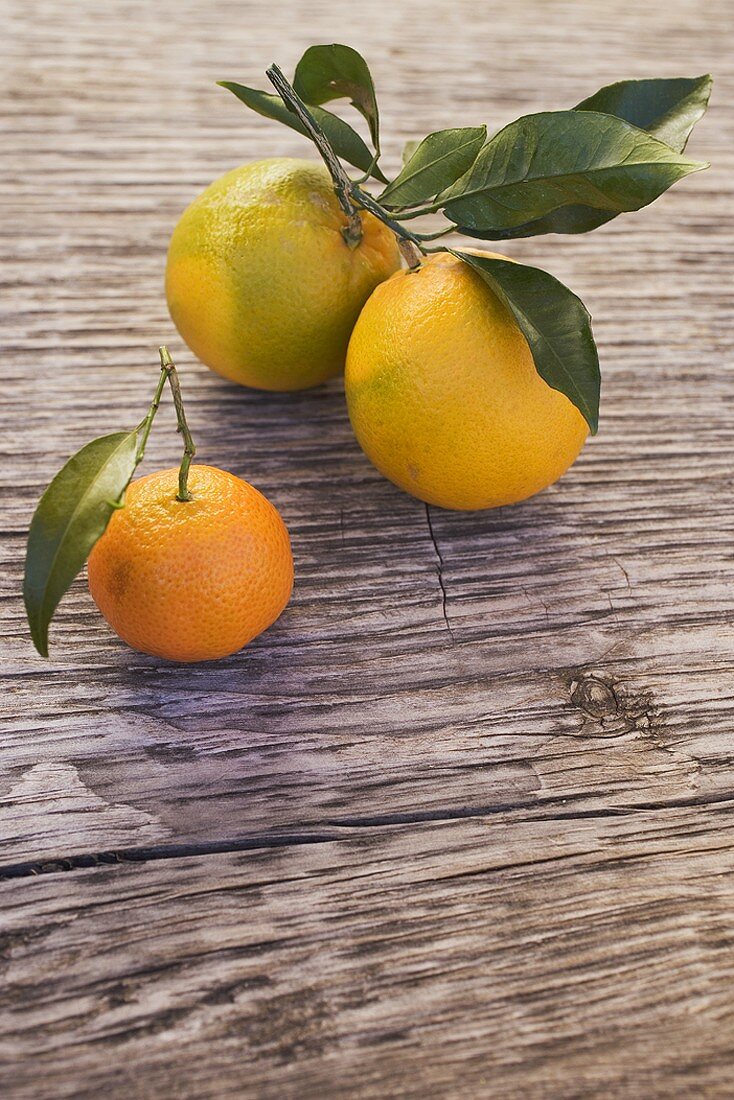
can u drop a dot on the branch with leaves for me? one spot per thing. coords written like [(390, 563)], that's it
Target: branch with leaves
[(567, 171), (73, 513)]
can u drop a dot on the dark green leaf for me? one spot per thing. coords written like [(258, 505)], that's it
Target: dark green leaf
[(71, 516), (345, 141), (546, 161), (437, 162), (574, 218), (668, 109), (332, 72), (556, 325)]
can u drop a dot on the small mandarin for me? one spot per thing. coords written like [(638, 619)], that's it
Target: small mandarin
[(192, 580)]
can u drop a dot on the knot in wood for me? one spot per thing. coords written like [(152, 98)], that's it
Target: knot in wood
[(594, 697)]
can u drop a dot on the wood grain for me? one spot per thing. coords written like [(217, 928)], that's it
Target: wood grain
[(459, 823), (463, 958)]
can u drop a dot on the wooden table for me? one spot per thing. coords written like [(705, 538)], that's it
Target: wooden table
[(460, 824)]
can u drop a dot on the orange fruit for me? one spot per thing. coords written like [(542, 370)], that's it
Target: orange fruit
[(193, 580), (444, 397), (260, 280)]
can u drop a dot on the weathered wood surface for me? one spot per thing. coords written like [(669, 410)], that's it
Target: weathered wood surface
[(471, 958), (460, 823)]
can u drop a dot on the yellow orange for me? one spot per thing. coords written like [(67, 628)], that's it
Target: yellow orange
[(261, 282), (444, 397)]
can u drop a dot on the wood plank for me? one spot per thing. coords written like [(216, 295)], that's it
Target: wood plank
[(471, 742), (549, 957), (460, 823)]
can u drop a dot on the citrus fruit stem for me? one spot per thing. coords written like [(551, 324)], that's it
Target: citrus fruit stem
[(405, 237), (342, 184), (169, 374), (411, 253), (168, 366), (348, 192)]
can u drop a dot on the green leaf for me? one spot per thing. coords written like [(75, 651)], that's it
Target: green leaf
[(345, 141), (408, 149), (332, 72), (436, 163), (556, 325), (546, 161), (567, 219), (668, 109), (71, 516)]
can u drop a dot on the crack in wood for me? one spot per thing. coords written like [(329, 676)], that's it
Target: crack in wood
[(439, 574), (86, 860)]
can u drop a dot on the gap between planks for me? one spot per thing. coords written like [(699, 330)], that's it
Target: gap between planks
[(342, 830)]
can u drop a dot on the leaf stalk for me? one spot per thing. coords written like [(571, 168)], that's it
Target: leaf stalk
[(145, 425)]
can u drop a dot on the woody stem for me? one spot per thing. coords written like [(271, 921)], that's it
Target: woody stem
[(342, 184), (167, 366)]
